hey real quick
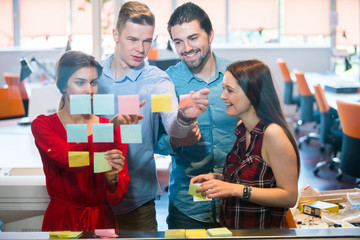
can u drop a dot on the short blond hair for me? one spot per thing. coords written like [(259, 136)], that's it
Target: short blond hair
[(135, 12)]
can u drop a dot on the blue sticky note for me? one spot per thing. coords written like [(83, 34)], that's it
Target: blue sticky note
[(103, 104), (131, 133), (103, 132), (80, 104), (76, 133)]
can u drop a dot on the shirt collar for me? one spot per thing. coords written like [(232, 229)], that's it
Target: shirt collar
[(188, 75), (131, 75)]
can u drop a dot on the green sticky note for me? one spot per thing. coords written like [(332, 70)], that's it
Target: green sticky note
[(161, 103), (175, 233), (103, 132), (76, 133), (192, 190), (131, 133), (100, 163), (80, 104), (219, 232), (78, 159), (103, 104)]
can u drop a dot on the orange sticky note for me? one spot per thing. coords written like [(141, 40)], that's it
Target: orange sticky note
[(161, 102), (78, 159), (100, 163)]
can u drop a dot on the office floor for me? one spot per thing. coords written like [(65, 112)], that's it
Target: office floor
[(310, 154)]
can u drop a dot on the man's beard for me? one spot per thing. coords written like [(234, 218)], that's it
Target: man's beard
[(194, 64)]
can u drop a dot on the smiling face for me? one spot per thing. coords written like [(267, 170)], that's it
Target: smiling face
[(83, 81), (192, 43), (237, 103), (132, 44)]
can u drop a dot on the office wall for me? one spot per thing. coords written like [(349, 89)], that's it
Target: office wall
[(304, 58), (10, 59)]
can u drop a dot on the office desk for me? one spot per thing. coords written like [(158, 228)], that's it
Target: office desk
[(324, 233), (313, 78)]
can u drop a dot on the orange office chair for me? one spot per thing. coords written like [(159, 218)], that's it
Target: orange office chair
[(349, 114), (289, 220), (307, 113), (11, 104), (288, 89), (329, 133), (12, 79)]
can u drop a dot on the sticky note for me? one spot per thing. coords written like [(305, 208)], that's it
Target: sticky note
[(219, 232), (195, 233), (76, 133), (131, 133), (103, 104), (106, 233), (175, 233), (80, 104), (192, 190), (100, 163), (64, 235), (197, 199), (78, 159), (128, 104), (103, 132), (161, 103)]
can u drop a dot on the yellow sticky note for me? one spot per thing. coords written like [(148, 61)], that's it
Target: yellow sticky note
[(175, 233), (161, 103), (100, 163), (78, 159), (195, 233), (219, 232), (64, 235)]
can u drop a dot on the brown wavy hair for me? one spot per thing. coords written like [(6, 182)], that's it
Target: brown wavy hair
[(255, 79)]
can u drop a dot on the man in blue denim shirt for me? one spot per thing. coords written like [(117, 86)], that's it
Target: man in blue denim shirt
[(205, 148), (125, 73)]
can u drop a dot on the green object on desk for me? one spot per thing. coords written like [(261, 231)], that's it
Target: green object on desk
[(219, 232)]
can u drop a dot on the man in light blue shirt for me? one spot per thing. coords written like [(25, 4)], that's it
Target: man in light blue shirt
[(205, 148), (125, 73)]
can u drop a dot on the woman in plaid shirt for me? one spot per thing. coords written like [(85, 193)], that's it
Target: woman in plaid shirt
[(260, 176)]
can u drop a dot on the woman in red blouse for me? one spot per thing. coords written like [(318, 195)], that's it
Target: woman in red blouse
[(260, 176), (79, 198)]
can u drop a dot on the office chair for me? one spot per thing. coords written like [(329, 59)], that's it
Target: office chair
[(11, 104), (349, 114), (307, 113), (289, 99), (328, 133), (12, 79)]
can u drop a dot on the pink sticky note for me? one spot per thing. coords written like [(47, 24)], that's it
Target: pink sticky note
[(128, 104), (106, 233)]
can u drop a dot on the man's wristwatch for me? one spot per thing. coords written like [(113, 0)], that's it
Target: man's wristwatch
[(183, 119)]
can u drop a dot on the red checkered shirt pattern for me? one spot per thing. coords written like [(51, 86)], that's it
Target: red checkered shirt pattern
[(246, 166)]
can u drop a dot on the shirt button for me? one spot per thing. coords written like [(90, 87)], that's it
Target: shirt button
[(211, 105), (214, 146), (213, 125)]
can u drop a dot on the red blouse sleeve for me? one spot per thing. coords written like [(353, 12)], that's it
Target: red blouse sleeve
[(50, 139)]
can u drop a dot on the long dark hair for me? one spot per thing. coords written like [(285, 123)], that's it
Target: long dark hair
[(68, 64), (255, 79)]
